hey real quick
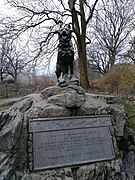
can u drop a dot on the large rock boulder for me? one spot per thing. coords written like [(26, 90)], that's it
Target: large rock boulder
[(63, 102)]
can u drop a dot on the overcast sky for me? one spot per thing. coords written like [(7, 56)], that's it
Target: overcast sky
[(6, 9), (3, 7)]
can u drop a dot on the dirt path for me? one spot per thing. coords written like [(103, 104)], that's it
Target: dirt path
[(6, 103)]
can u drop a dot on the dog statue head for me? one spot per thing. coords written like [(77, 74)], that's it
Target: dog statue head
[(65, 35)]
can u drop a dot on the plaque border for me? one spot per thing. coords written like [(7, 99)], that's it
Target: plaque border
[(82, 120), (107, 124)]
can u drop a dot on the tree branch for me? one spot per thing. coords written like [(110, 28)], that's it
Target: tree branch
[(92, 11)]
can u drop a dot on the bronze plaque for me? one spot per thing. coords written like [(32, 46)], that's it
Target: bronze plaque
[(70, 141)]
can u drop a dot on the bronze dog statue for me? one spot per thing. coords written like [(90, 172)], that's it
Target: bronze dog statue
[(65, 56)]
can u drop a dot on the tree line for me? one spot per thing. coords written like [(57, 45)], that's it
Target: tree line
[(103, 35)]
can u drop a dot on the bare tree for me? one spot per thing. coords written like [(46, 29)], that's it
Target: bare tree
[(16, 60), (3, 59), (131, 52), (82, 13), (98, 57), (112, 27)]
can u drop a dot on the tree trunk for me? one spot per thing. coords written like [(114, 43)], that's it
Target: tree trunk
[(1, 76), (16, 81), (80, 22), (84, 80), (112, 59)]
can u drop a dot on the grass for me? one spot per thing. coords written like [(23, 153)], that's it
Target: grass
[(3, 107), (7, 103), (130, 109)]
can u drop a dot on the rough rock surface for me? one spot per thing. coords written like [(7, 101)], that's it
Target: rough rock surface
[(62, 102)]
